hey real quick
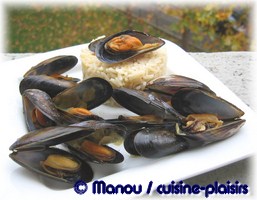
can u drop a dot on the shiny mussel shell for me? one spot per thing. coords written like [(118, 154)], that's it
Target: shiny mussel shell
[(52, 86), (54, 65), (39, 110), (158, 142), (88, 94), (144, 42), (50, 136), (143, 103), (171, 84), (196, 101), (129, 142), (66, 172)]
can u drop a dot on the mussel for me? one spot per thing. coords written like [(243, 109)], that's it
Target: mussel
[(124, 45), (156, 142), (189, 96), (88, 94), (144, 103), (171, 84), (69, 106), (47, 75), (197, 101), (51, 85), (39, 110), (55, 164), (199, 131), (35, 151), (93, 152), (93, 147), (49, 136), (53, 66)]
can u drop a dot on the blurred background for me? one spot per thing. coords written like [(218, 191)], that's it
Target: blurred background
[(204, 28)]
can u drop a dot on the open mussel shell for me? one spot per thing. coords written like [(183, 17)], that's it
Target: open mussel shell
[(196, 101), (158, 142), (93, 152), (211, 135), (50, 136), (52, 86), (36, 101), (143, 103), (88, 94), (107, 55), (54, 65), (171, 84), (90, 147), (32, 160)]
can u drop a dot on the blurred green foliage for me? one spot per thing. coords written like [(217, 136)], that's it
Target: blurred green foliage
[(42, 28), (39, 28), (222, 28)]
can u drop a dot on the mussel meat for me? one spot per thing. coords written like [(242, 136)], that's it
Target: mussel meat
[(125, 45), (93, 147), (93, 152)]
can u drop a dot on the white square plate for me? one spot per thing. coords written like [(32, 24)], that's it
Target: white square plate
[(19, 183)]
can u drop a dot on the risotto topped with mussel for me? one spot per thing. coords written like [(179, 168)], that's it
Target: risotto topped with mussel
[(127, 59)]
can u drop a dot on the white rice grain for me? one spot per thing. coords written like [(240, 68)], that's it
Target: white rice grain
[(134, 73)]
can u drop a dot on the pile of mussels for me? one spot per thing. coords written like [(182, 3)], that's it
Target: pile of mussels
[(174, 113)]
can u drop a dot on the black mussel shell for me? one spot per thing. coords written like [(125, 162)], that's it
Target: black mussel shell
[(197, 102), (50, 136), (36, 99), (31, 161), (158, 142), (129, 142), (54, 65), (45, 137), (171, 84), (48, 84), (143, 103), (88, 94)]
